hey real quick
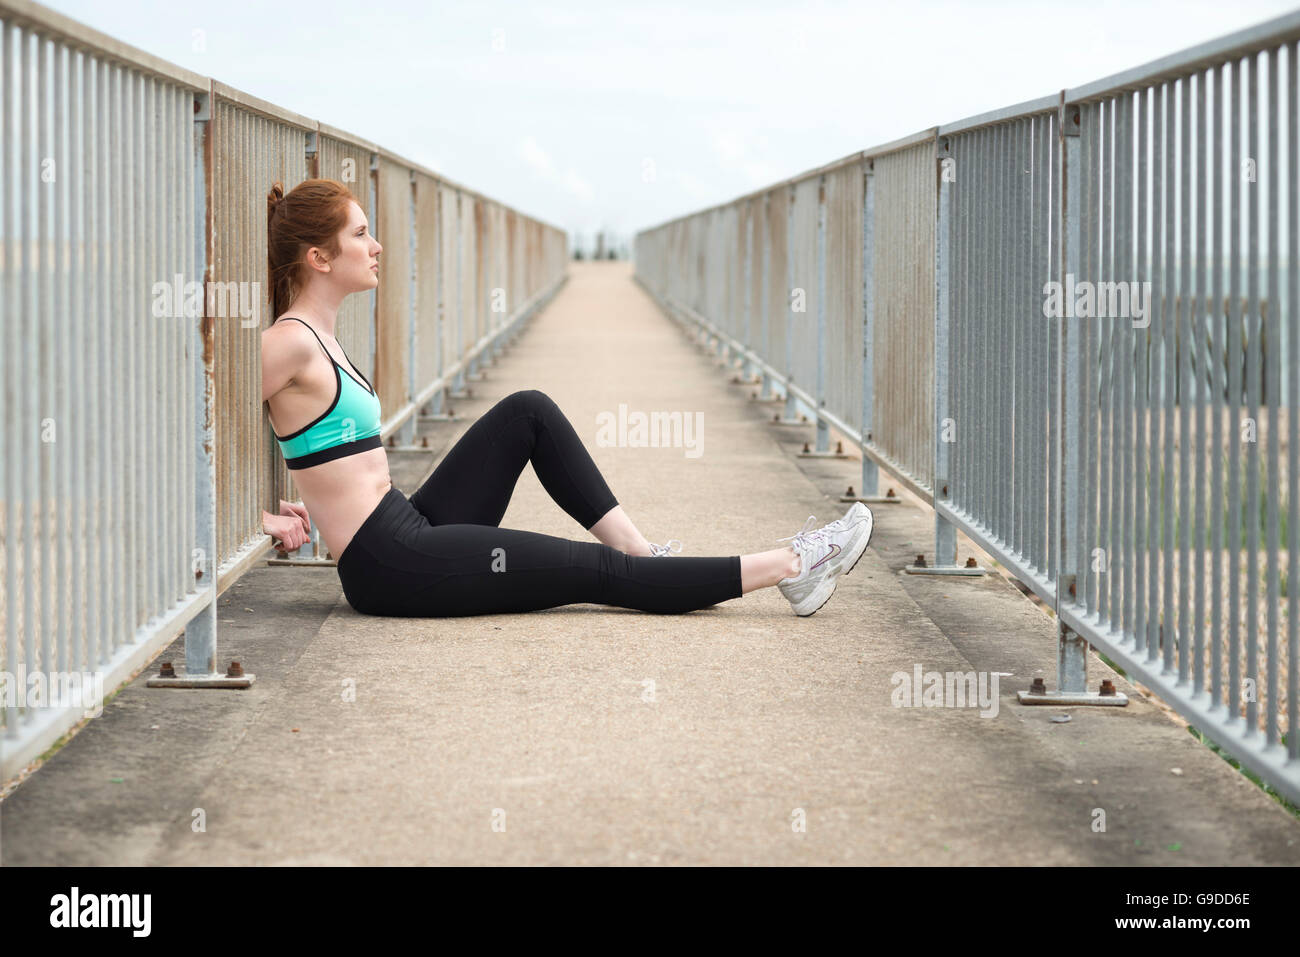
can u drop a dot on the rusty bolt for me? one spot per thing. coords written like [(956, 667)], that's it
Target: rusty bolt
[(198, 573), (392, 440), (735, 380), (167, 671), (920, 561), (891, 494), (945, 490), (424, 441), (805, 448), (802, 417), (849, 493), (1071, 588), (839, 448), (776, 416), (753, 395), (1107, 688), (1038, 687), (450, 412), (970, 563), (236, 670)]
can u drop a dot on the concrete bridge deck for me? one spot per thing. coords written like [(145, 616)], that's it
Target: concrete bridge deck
[(529, 739)]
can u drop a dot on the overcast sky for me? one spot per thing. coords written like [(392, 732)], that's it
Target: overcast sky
[(559, 109)]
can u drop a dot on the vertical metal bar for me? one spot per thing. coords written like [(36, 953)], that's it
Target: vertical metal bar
[(791, 409), (975, 417), (1293, 407), (823, 430), (1040, 273), (201, 631), (1182, 372), (870, 472), (1127, 333), (1168, 382), (1253, 389), (43, 283), (66, 510), (1155, 379), (960, 314), (1142, 604), (1023, 318), (945, 533), (1055, 272), (1084, 490), (12, 493), (1272, 375), (1199, 316), (1072, 662), (1235, 173), (1102, 173), (1219, 388)]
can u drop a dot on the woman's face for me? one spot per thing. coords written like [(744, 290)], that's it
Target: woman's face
[(356, 266)]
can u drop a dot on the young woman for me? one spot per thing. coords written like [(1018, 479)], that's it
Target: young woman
[(440, 552)]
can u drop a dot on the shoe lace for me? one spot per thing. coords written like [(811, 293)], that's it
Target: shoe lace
[(807, 537), (661, 550)]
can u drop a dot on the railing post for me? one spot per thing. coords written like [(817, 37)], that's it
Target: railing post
[(791, 413), (747, 367), (870, 487), (434, 405), (458, 386), (1071, 648), (1072, 658), (765, 295), (406, 432), (201, 630), (823, 428), (945, 533)]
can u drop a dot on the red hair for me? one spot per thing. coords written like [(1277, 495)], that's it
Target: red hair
[(312, 214)]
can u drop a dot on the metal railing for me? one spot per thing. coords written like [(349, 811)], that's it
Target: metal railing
[(1128, 451), (137, 455)]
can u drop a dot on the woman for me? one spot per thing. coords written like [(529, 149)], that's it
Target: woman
[(441, 552)]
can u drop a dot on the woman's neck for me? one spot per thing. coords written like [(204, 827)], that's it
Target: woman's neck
[(321, 311)]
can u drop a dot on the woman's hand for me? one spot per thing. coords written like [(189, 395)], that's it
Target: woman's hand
[(296, 511), (288, 531)]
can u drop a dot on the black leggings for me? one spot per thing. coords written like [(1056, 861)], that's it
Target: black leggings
[(440, 552)]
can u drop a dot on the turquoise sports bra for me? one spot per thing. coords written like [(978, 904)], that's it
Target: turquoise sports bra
[(350, 425)]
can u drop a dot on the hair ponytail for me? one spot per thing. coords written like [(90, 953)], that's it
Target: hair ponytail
[(312, 214)]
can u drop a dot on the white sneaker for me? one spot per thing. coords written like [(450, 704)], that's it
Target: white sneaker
[(824, 555), (659, 551)]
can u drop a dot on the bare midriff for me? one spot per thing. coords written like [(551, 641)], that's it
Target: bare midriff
[(340, 495)]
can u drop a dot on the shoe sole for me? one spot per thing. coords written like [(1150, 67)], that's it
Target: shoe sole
[(870, 531), (834, 581)]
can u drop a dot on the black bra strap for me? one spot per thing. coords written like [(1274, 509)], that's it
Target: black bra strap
[(313, 332)]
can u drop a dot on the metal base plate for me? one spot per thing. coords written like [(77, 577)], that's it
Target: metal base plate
[(800, 421), (214, 680), (321, 562), (1118, 699), (823, 455), (467, 394), (873, 499), (960, 571)]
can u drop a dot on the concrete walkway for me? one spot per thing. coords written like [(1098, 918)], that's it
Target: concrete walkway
[(596, 735)]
